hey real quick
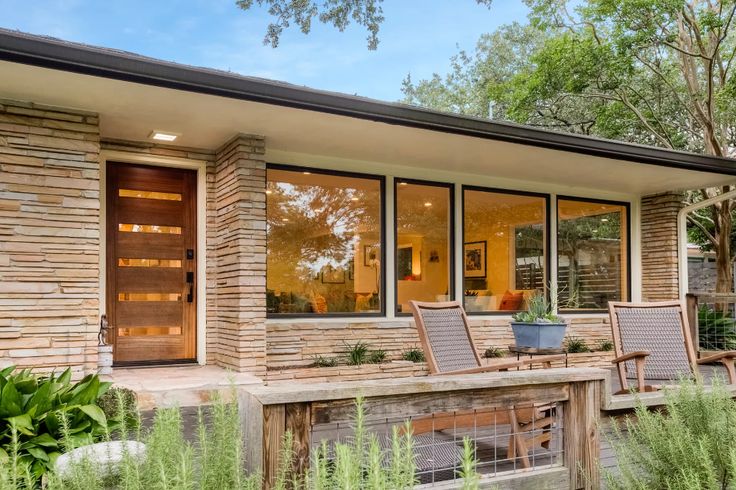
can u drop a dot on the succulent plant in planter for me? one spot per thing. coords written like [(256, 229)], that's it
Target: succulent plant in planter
[(538, 327)]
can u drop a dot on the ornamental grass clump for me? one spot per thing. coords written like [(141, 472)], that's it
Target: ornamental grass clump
[(687, 446)]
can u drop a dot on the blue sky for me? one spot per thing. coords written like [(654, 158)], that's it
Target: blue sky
[(418, 37)]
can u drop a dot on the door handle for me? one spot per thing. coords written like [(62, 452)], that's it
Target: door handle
[(190, 281)]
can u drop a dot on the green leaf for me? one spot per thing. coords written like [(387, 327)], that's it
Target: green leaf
[(52, 422), (38, 453), (65, 377), (95, 413), (11, 402), (22, 423), (45, 440)]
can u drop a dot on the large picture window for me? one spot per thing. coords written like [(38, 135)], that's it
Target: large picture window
[(324, 242), (592, 262), (423, 242), (504, 249)]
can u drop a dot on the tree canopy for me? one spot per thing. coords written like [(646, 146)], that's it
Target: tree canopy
[(337, 13)]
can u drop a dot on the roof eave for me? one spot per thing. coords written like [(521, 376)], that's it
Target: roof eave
[(59, 55)]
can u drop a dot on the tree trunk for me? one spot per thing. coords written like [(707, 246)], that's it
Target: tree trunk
[(724, 269)]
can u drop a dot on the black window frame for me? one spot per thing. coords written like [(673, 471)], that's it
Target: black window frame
[(627, 207), (382, 228), (547, 238), (430, 183)]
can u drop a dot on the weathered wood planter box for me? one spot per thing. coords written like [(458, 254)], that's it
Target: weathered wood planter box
[(316, 411)]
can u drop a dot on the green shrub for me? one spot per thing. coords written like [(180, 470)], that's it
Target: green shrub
[(323, 361), (378, 356), (215, 462), (362, 464), (493, 353), (33, 408), (414, 355), (356, 354), (716, 329), (605, 345), (575, 345), (687, 446)]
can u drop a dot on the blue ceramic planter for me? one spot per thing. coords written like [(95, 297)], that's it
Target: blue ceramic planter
[(539, 335)]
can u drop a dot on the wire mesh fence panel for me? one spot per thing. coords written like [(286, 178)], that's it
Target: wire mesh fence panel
[(716, 322), (502, 440)]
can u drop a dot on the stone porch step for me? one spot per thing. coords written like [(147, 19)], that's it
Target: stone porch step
[(183, 386)]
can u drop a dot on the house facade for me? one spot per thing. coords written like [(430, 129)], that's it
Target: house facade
[(217, 219)]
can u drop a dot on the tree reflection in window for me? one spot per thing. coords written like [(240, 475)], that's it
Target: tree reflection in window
[(317, 227), (591, 250)]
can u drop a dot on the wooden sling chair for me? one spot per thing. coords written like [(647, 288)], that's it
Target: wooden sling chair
[(449, 349), (652, 342)]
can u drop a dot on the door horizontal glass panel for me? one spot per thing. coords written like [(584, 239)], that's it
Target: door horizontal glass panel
[(162, 196), (149, 296), (147, 331), (134, 228), (125, 262)]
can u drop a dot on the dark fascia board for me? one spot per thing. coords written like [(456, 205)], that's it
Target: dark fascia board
[(56, 54)]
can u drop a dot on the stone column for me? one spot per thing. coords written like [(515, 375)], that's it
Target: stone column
[(49, 237), (659, 274), (238, 339)]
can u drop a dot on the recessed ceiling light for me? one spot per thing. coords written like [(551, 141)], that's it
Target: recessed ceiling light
[(307, 173), (163, 136), (427, 204), (284, 219), (354, 199), (403, 183), (269, 191)]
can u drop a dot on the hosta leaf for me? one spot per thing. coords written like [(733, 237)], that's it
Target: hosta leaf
[(22, 423), (41, 399), (27, 385), (10, 401), (95, 413), (52, 422), (65, 377), (38, 453), (45, 440)]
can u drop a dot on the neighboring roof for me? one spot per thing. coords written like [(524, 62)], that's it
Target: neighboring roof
[(57, 54)]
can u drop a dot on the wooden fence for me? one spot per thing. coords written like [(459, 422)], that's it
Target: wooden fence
[(435, 405)]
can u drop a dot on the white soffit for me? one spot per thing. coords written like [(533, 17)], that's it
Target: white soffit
[(131, 111)]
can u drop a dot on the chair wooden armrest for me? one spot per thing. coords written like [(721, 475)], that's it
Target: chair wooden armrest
[(639, 357), (727, 358), (632, 355)]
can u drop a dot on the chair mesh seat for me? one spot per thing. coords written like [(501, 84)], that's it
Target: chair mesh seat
[(659, 331), (451, 346)]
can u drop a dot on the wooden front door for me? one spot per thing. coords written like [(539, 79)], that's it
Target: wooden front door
[(151, 263)]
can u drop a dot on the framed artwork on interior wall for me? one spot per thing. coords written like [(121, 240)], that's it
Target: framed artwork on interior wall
[(474, 259), (331, 275), (370, 255)]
